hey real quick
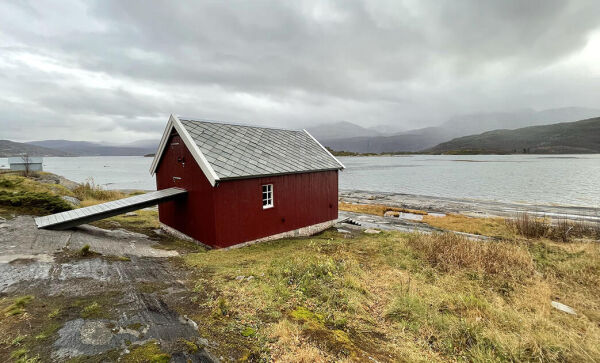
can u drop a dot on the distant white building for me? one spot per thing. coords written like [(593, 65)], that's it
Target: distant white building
[(25, 163)]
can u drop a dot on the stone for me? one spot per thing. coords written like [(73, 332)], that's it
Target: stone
[(71, 200), (372, 231), (435, 214), (131, 214), (341, 230), (240, 278), (95, 333), (249, 278), (114, 224), (4, 225), (391, 213), (564, 308)]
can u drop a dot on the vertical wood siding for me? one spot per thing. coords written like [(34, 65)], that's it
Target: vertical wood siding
[(232, 212), (194, 215)]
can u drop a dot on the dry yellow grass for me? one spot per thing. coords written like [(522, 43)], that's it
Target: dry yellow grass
[(376, 209), (399, 297), (450, 252), (495, 227), (93, 192)]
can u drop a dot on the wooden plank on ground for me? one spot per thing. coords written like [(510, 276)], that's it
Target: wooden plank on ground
[(96, 212)]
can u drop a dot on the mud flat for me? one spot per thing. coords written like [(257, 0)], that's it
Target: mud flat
[(471, 207)]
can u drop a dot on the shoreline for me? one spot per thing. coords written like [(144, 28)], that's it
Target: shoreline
[(469, 207), (446, 205)]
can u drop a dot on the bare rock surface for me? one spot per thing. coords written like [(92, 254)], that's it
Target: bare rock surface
[(376, 223), (474, 207), (136, 287), (21, 237), (71, 200)]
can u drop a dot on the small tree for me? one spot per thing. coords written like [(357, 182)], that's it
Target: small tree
[(27, 164)]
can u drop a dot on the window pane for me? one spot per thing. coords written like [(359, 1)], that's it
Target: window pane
[(267, 195)]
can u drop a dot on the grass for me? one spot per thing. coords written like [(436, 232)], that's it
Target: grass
[(494, 227), (31, 333), (90, 191), (18, 306), (376, 209), (147, 353), (93, 310), (43, 202), (396, 296), (560, 229)]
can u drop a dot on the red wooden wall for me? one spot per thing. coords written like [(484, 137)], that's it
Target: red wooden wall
[(232, 212)]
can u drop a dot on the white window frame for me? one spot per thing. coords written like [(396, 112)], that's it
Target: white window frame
[(267, 196)]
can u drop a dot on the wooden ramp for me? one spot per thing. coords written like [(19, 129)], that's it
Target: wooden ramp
[(96, 212)]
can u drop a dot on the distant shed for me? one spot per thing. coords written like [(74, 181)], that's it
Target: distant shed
[(244, 183), (25, 163)]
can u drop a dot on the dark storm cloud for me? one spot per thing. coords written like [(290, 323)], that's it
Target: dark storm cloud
[(115, 70)]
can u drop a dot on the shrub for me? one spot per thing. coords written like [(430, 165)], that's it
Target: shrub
[(40, 201), (529, 226), (561, 229), (449, 252)]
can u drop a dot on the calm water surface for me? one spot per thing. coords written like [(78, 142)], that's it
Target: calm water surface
[(535, 179)]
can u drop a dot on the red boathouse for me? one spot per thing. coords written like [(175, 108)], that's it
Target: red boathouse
[(244, 184)]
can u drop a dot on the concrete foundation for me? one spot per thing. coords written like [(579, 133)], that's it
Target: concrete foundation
[(300, 232)]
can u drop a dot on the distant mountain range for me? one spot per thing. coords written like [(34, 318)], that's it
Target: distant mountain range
[(345, 136), (11, 148), (85, 148), (562, 138)]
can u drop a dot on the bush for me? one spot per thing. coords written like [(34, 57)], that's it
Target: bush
[(40, 201), (562, 229), (449, 252)]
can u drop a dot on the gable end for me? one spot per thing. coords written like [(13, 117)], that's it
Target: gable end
[(174, 123)]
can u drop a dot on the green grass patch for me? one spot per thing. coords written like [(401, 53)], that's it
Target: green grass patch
[(37, 201), (18, 306), (93, 310), (149, 352)]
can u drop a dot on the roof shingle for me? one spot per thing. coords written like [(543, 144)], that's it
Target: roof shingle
[(239, 151)]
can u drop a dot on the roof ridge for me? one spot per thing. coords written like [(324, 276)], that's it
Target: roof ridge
[(182, 118)]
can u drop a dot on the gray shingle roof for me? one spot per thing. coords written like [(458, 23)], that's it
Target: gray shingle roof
[(238, 151)]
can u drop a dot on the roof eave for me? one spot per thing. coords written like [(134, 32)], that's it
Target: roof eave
[(277, 174)]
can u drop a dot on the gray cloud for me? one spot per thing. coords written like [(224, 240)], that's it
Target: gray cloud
[(114, 70)]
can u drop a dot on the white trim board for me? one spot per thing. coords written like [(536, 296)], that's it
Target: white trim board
[(174, 122), (323, 147)]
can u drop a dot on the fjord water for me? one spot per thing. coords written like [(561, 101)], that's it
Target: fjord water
[(572, 180)]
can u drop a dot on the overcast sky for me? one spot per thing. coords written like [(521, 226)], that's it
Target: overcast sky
[(115, 70)]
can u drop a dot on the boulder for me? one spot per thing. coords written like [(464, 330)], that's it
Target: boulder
[(71, 200)]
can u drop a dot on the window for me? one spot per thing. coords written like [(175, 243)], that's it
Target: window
[(267, 196)]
